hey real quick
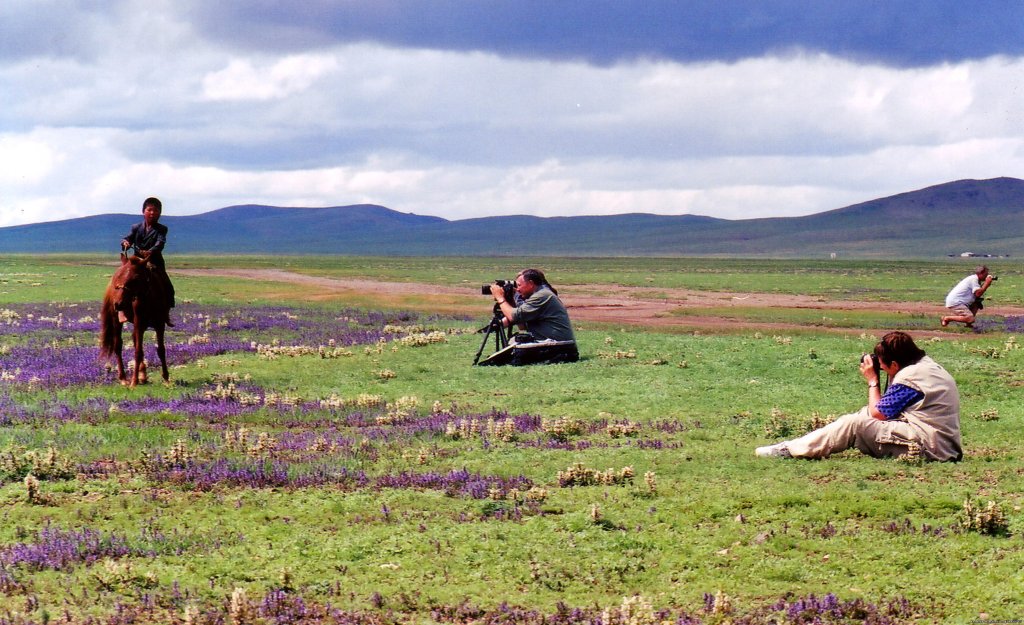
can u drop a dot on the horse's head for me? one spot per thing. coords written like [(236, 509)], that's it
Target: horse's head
[(128, 281), (139, 256)]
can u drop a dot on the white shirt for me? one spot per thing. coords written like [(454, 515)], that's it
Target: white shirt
[(963, 292)]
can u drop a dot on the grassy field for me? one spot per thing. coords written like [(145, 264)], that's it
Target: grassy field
[(903, 281), (341, 462)]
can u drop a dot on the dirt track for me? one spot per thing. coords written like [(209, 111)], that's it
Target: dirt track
[(642, 306)]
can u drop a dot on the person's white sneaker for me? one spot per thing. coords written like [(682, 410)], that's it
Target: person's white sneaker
[(778, 450)]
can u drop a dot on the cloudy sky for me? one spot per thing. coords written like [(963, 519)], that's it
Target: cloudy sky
[(468, 108)]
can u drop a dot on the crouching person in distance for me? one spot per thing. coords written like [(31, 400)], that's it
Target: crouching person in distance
[(920, 411), (965, 299), (542, 315)]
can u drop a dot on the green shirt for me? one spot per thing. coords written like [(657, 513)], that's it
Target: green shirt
[(545, 316)]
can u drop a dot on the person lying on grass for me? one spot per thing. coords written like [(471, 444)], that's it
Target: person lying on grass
[(918, 415)]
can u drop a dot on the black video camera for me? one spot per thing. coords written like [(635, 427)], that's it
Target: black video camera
[(507, 286)]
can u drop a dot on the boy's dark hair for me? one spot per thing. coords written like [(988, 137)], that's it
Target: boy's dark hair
[(154, 202), (898, 347)]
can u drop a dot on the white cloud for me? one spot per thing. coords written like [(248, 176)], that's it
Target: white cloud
[(729, 187), (470, 134), (25, 160), (241, 80)]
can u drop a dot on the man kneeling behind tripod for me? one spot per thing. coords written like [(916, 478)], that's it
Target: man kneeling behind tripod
[(540, 313)]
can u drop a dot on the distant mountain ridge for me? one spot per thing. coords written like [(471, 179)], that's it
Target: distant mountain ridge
[(980, 216)]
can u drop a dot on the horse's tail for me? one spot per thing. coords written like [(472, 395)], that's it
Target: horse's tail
[(108, 326)]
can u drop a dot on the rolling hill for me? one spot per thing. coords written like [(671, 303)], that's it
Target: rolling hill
[(980, 216)]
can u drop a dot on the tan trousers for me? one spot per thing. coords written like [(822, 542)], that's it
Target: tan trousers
[(880, 439)]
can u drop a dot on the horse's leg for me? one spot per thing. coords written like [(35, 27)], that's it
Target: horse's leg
[(137, 331), (118, 348), (161, 352)]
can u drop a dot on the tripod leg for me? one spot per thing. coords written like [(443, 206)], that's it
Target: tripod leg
[(500, 338), (487, 335)]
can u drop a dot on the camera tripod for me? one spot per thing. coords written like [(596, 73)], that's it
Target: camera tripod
[(497, 328)]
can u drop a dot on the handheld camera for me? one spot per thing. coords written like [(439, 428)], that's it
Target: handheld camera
[(874, 362)]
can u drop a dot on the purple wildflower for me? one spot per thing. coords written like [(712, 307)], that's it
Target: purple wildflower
[(205, 475), (59, 550), (456, 483), (44, 360)]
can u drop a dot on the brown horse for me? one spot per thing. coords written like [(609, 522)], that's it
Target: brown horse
[(135, 295)]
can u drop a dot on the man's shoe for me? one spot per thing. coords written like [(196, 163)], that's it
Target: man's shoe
[(778, 450)]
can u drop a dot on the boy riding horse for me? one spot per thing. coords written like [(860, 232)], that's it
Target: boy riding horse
[(150, 236)]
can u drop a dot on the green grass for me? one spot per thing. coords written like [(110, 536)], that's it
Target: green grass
[(75, 277), (719, 519), (816, 318)]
